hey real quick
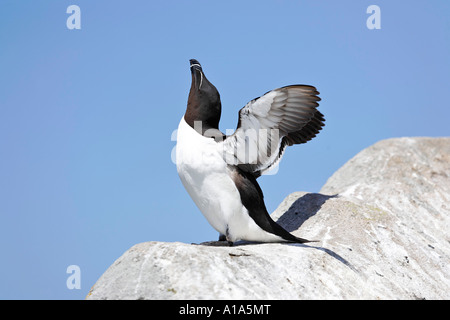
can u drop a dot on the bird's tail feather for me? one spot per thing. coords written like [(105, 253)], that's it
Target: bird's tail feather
[(300, 240)]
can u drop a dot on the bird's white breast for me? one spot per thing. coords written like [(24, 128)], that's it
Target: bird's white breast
[(206, 177)]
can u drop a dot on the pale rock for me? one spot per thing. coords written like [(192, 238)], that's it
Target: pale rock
[(382, 222)]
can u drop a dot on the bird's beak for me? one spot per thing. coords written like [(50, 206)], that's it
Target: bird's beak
[(197, 73)]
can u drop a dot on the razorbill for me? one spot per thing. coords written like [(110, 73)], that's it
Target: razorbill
[(219, 171)]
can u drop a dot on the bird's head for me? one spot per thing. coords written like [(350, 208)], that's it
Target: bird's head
[(204, 99)]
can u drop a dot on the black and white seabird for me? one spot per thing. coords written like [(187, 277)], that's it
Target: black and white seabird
[(219, 171)]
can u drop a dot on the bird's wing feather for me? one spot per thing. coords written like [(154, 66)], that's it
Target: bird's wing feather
[(280, 118)]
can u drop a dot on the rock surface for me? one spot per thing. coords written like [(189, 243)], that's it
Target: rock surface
[(383, 222)]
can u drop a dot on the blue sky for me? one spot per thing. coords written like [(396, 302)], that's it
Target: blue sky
[(87, 116)]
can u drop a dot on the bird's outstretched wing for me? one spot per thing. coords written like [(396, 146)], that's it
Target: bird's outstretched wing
[(268, 124)]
